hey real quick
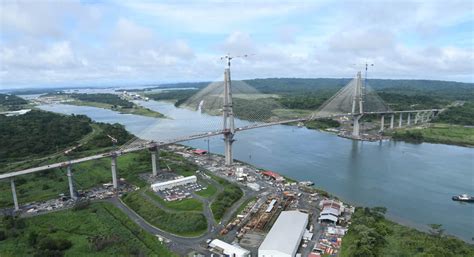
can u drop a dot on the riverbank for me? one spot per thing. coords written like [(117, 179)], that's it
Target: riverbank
[(436, 133), (371, 234), (136, 109), (385, 230)]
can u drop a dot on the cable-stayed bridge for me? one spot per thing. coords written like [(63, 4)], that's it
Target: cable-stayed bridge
[(352, 102)]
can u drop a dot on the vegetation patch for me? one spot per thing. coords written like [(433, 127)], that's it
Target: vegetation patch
[(322, 124), (39, 132), (98, 230), (460, 115), (224, 200), (11, 102), (189, 204), (438, 133), (371, 235), (208, 192), (180, 223)]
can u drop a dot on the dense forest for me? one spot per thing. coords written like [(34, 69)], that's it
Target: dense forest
[(371, 235), (462, 115), (444, 89), (39, 132), (179, 95), (310, 94), (42, 133), (11, 100), (111, 99)]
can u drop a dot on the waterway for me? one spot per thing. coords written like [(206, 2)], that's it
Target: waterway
[(414, 181)]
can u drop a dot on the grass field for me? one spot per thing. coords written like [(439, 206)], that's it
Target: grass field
[(179, 223), (120, 235), (208, 192), (440, 133), (189, 204)]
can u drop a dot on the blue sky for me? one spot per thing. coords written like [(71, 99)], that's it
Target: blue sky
[(46, 43)]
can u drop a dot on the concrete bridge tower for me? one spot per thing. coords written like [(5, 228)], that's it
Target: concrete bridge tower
[(357, 106), (229, 128)]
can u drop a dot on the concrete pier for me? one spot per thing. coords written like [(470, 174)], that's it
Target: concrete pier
[(400, 121), (114, 172), (155, 155), (382, 123), (392, 120), (69, 178), (416, 118), (228, 140), (15, 200), (409, 119)]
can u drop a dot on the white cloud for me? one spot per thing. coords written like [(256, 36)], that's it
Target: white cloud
[(87, 42)]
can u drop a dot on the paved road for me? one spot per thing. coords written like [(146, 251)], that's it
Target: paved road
[(180, 245), (184, 245)]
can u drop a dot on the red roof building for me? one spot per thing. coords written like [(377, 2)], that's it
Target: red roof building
[(273, 175), (199, 152)]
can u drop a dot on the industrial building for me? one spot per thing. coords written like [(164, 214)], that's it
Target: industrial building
[(331, 211), (273, 175), (173, 183), (228, 249), (285, 236)]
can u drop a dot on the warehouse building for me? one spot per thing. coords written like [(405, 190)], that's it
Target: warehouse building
[(173, 183), (228, 249), (331, 211), (285, 236)]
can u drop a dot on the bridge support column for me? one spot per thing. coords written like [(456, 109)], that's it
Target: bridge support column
[(69, 178), (392, 120), (15, 200), (155, 155), (228, 140), (409, 119), (416, 118), (356, 126), (382, 123), (114, 172), (400, 121)]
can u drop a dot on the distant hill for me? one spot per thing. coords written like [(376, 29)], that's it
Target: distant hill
[(435, 88)]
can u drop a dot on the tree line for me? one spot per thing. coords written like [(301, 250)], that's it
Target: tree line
[(111, 99), (41, 133)]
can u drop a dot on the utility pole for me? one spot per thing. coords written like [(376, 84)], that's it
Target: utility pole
[(228, 112)]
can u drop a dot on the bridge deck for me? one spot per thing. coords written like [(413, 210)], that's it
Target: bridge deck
[(152, 144)]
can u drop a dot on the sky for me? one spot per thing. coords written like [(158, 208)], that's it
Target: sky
[(95, 43)]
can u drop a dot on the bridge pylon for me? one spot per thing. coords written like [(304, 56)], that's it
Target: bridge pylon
[(357, 101), (229, 127)]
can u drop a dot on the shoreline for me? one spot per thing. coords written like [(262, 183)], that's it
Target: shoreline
[(424, 228)]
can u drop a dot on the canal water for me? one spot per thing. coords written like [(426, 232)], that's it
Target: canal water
[(414, 181)]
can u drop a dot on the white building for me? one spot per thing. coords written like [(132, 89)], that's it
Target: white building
[(285, 236), (228, 249), (173, 183)]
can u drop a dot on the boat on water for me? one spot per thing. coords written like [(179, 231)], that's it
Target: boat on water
[(306, 183), (463, 198)]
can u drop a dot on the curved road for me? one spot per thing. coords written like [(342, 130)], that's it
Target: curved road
[(183, 245)]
